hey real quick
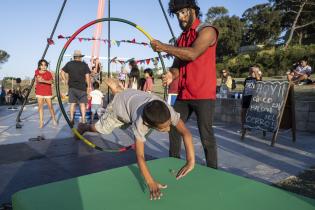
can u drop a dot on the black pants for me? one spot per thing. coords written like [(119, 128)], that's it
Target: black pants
[(16, 97), (204, 110)]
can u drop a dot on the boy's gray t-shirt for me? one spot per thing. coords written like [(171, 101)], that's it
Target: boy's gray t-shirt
[(128, 107)]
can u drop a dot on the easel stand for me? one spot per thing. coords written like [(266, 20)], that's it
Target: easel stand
[(287, 117)]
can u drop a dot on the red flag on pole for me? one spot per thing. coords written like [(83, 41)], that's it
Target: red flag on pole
[(50, 41)]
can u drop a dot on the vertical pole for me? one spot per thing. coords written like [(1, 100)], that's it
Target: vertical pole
[(168, 23), (108, 49), (173, 36), (18, 120)]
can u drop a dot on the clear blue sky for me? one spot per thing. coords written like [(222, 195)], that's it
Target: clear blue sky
[(25, 26)]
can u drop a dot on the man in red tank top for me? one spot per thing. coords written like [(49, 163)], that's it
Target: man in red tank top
[(195, 67)]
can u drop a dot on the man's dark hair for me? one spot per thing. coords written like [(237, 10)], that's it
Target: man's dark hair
[(96, 85), (155, 113), (176, 5)]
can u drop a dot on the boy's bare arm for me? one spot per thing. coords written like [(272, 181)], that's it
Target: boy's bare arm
[(189, 147), (153, 185)]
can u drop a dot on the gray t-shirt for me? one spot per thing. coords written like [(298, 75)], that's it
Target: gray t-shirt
[(128, 107)]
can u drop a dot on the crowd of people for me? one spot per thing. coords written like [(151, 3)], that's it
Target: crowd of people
[(11, 96)]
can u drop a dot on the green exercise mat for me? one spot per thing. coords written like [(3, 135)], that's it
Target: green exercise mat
[(123, 188)]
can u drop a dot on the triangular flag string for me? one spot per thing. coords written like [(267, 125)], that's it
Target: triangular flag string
[(112, 42)]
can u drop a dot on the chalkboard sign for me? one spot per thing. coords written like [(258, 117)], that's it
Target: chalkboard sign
[(267, 105), (272, 103)]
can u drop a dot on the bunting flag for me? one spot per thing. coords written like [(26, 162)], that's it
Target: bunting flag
[(50, 41), (147, 60), (111, 42), (117, 43)]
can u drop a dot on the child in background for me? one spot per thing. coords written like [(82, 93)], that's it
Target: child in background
[(254, 75), (122, 77), (43, 90), (149, 80), (301, 73), (97, 100)]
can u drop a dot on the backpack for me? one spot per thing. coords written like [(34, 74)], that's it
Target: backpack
[(233, 84)]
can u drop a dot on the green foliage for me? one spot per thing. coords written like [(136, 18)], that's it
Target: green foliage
[(272, 62), (230, 30), (4, 56), (215, 13), (304, 26), (230, 35), (262, 25)]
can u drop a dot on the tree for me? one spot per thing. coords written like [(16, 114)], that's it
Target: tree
[(4, 56), (230, 30), (216, 13), (262, 25), (297, 18), (231, 33)]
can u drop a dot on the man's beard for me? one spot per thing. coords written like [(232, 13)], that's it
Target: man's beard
[(188, 25)]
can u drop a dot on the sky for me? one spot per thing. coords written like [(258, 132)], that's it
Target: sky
[(26, 25)]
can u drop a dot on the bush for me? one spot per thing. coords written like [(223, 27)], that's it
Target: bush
[(272, 61)]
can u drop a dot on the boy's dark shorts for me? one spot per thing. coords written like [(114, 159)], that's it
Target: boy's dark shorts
[(77, 96), (246, 101)]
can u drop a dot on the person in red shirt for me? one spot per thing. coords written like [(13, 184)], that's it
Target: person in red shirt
[(43, 91), (149, 80), (195, 67)]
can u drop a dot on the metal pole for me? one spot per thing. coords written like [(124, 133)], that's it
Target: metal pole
[(18, 120), (168, 23), (108, 49), (171, 30)]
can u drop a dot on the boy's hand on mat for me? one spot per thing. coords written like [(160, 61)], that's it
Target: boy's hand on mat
[(155, 190), (185, 170)]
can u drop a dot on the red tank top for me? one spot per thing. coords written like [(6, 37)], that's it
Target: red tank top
[(197, 79)]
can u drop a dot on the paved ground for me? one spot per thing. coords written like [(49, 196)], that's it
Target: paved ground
[(253, 158)]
